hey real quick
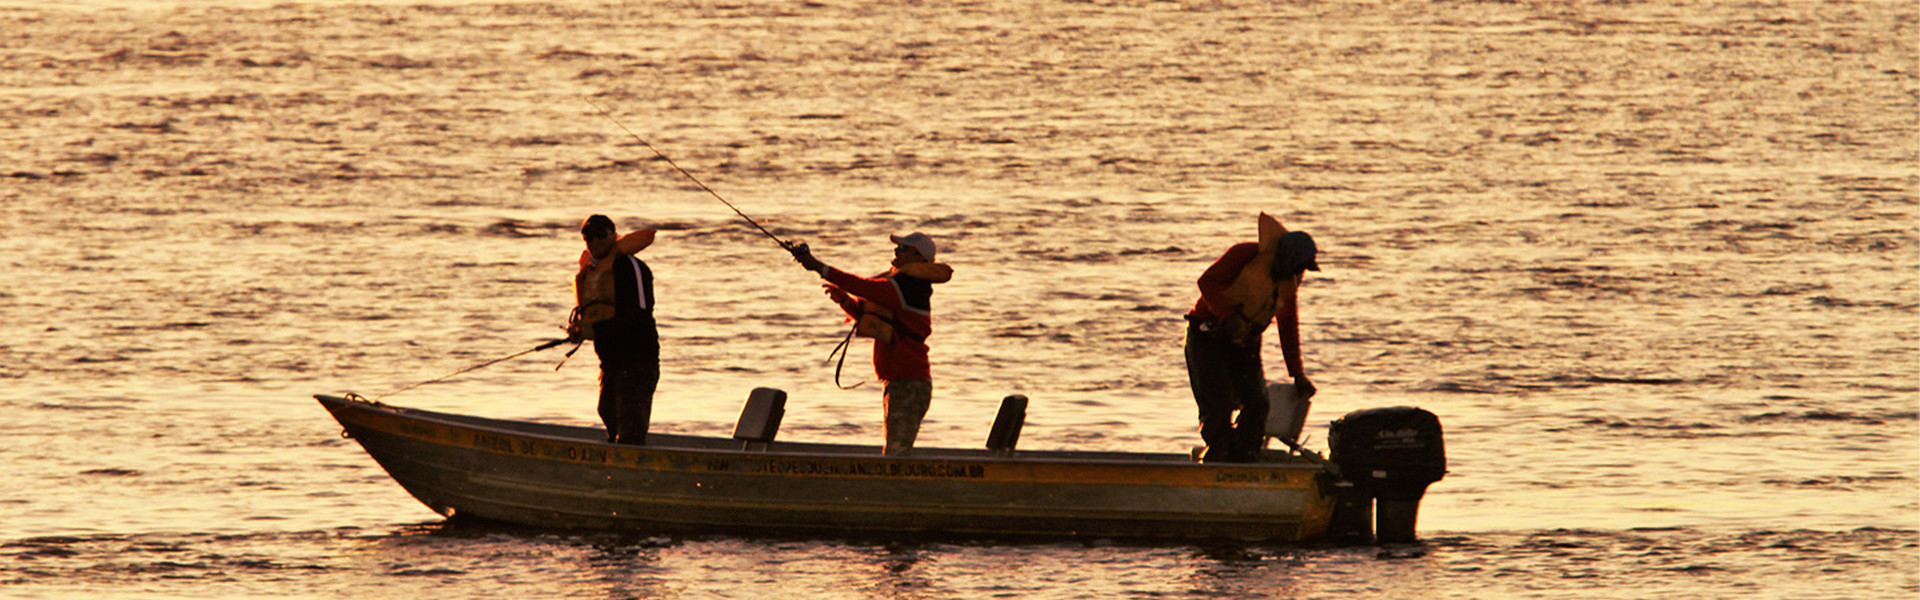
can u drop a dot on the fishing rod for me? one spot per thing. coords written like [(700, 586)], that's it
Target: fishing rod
[(483, 365), (696, 180), (788, 246)]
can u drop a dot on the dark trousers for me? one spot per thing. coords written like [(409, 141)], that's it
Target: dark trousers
[(626, 399), (1226, 377)]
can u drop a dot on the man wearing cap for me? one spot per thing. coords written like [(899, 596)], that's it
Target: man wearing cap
[(614, 308), (1252, 284), (895, 310)]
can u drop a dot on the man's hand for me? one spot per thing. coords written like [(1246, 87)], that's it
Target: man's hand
[(1303, 387), (804, 255), (837, 294), (576, 326)]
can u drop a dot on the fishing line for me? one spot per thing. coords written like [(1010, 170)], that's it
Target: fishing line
[(695, 180), (839, 350), (480, 366)]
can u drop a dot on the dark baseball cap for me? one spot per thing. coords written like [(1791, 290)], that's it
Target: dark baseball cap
[(597, 223), (1302, 254)]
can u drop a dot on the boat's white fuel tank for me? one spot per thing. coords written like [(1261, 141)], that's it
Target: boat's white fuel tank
[(1286, 411)]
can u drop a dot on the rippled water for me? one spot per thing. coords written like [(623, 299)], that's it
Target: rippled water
[(1654, 266)]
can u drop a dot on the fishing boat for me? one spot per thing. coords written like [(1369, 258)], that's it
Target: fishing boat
[(559, 476)]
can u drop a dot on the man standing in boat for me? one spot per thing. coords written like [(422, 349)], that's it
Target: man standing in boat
[(895, 309), (1252, 284), (614, 308)]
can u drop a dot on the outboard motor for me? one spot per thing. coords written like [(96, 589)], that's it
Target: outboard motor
[(1389, 454)]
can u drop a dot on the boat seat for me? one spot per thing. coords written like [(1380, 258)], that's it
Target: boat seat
[(1007, 424), (760, 417)]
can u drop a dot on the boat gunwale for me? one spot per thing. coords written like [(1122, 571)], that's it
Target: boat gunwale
[(777, 449)]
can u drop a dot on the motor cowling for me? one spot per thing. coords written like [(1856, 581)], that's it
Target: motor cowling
[(1391, 454)]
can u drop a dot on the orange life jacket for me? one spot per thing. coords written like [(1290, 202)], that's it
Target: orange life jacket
[(877, 321), (1254, 291), (593, 294), (593, 286)]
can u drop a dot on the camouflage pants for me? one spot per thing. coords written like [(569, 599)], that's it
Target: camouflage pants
[(906, 404)]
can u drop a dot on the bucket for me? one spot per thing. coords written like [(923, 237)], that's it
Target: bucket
[(1286, 412)]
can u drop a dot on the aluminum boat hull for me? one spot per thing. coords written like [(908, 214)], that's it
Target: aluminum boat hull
[(557, 476)]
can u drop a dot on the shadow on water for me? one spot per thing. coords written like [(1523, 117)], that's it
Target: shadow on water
[(466, 528)]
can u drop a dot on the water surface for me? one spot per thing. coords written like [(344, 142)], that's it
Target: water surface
[(1654, 267)]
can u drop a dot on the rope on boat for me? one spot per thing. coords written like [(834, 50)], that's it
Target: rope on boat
[(352, 397)]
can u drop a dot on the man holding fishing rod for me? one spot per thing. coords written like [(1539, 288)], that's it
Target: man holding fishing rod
[(614, 295), (894, 309)]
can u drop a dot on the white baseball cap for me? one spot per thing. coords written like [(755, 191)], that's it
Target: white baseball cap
[(917, 241)]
